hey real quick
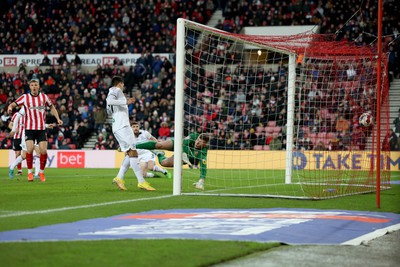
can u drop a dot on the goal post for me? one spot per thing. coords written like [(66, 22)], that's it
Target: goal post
[(281, 113)]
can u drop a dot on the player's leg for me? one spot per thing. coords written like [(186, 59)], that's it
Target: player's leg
[(17, 150), (37, 161), (163, 145), (153, 166), (119, 180), (29, 153), (144, 167), (42, 140), (126, 141), (16, 162), (134, 162)]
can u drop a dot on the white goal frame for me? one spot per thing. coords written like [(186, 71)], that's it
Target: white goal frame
[(179, 105)]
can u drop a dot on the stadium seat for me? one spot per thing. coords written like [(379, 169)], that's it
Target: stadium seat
[(72, 146), (271, 123), (331, 135), (265, 147), (258, 147)]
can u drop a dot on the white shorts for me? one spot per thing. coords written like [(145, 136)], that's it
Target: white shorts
[(146, 155), (125, 138)]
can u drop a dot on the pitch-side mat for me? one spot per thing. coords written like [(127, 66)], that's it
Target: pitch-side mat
[(290, 226)]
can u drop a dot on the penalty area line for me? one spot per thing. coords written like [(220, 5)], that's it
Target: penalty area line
[(23, 213)]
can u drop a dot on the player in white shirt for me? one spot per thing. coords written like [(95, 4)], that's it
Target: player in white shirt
[(147, 159), (117, 106)]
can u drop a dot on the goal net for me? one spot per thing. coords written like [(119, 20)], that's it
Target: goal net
[(282, 114)]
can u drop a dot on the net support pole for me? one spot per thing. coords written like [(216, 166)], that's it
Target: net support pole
[(179, 100), (290, 118), (378, 107)]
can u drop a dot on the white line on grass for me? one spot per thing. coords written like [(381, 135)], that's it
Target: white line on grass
[(22, 213)]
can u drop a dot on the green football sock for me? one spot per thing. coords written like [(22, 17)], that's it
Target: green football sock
[(147, 145), (161, 157)]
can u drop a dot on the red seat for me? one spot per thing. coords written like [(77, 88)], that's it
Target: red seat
[(257, 147), (271, 123), (265, 147)]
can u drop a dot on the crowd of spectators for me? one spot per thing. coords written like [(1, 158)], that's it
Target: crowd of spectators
[(147, 27), (122, 26)]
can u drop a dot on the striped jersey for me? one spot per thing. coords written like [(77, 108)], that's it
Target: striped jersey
[(20, 127), (118, 108), (35, 110)]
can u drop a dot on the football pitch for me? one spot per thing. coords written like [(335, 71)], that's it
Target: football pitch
[(71, 195)]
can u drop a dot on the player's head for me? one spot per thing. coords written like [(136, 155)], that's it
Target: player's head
[(135, 127), (202, 141), (34, 86), (117, 81)]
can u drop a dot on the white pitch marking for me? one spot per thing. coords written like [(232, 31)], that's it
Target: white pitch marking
[(22, 213)]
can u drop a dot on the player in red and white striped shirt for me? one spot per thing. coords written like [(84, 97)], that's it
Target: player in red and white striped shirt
[(35, 104), (17, 137)]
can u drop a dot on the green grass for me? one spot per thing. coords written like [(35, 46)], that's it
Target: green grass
[(68, 189)]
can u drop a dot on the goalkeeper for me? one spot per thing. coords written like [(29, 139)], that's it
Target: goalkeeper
[(194, 151)]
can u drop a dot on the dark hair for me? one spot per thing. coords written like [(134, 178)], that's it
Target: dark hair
[(116, 80), (135, 123), (205, 137)]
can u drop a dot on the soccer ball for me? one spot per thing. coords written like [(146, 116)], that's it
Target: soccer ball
[(366, 119)]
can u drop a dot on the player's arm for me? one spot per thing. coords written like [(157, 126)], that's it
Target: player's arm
[(14, 124), (11, 107), (53, 111), (112, 100)]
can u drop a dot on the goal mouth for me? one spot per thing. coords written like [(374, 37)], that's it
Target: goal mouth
[(282, 112)]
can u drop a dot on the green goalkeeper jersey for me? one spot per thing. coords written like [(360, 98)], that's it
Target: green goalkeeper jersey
[(195, 155)]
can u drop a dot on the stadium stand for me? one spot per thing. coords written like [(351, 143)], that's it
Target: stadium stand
[(82, 27)]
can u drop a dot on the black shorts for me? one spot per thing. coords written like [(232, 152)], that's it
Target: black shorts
[(17, 144), (35, 135)]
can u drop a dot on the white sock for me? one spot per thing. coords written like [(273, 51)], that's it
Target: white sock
[(17, 161), (124, 168), (134, 162), (37, 166), (149, 175), (158, 169)]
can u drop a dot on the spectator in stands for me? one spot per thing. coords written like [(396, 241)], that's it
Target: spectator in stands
[(320, 146), (62, 60), (100, 117), (393, 141), (275, 144), (358, 138), (7, 142), (46, 60), (59, 141), (164, 132), (342, 124), (64, 145), (396, 123)]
